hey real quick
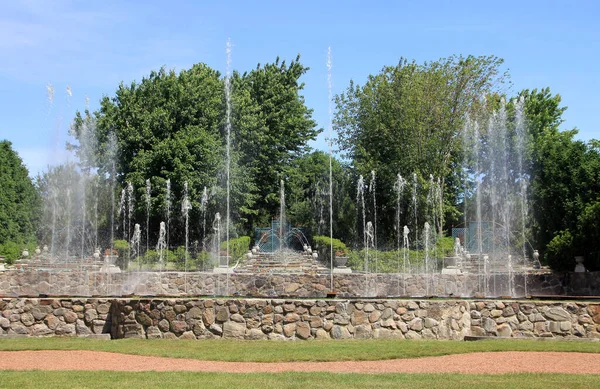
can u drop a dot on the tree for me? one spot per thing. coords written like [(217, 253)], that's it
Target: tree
[(171, 126), (19, 201), (407, 119), (565, 190), (280, 129)]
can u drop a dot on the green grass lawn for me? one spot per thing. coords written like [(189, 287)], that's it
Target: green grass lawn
[(73, 379), (273, 351), (264, 351)]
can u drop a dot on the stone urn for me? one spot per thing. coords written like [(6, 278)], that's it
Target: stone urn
[(579, 268), (45, 248), (340, 261), (25, 253), (249, 255), (315, 255), (450, 261), (223, 260), (38, 251), (96, 253)]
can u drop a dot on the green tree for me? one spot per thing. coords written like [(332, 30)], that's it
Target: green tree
[(565, 190), (407, 119), (19, 201)]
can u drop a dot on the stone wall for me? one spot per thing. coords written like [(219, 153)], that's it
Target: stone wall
[(535, 319), (254, 319), (288, 319), (76, 283), (54, 317)]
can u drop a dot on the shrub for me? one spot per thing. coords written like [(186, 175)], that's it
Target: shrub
[(122, 248), (323, 246), (559, 252), (238, 247)]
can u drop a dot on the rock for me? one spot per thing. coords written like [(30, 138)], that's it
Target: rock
[(40, 312), (65, 329), (70, 317), (387, 313), (289, 329), (341, 318), (164, 325), (316, 322), (4, 322), (291, 318), (82, 329), (188, 335), (495, 313), (339, 332), (194, 313), (103, 308), (27, 319), (292, 287), (412, 335), (143, 319), (153, 332), (208, 317), (90, 315), (504, 331), (170, 335), (363, 332), (40, 330), (368, 308), (52, 321), (216, 329), (19, 328), (358, 318), (234, 330), (557, 314), (179, 308), (374, 316), (236, 317), (222, 314), (322, 334), (178, 326), (489, 325), (416, 324), (429, 322), (255, 334), (303, 330)]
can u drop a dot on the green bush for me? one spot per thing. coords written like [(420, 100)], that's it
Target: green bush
[(13, 250), (322, 244), (238, 247), (559, 252), (122, 248)]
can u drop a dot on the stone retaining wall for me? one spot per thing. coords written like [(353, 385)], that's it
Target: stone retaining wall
[(298, 319), (77, 283), (54, 317)]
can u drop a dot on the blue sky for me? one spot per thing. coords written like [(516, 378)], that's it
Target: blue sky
[(91, 46)]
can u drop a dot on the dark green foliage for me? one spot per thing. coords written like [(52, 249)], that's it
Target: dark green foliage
[(122, 249), (19, 201), (238, 247), (407, 119), (565, 175), (322, 244)]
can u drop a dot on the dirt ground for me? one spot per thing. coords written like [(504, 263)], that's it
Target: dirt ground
[(475, 363)]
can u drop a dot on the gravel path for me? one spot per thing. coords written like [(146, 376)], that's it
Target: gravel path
[(475, 363)]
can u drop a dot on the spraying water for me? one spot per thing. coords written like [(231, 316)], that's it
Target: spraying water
[(330, 109), (168, 209), (148, 202), (186, 206), (373, 194), (135, 245), (203, 205), (161, 244), (415, 203), (405, 246), (282, 232), (123, 211), (360, 200), (399, 189), (426, 232), (228, 151)]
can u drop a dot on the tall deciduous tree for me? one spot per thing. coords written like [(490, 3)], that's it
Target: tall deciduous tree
[(19, 201), (407, 119)]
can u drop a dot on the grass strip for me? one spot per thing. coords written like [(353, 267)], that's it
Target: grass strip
[(276, 351)]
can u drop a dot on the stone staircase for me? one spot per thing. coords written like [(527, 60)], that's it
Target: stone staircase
[(281, 262)]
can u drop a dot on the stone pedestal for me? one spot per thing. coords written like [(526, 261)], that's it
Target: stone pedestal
[(579, 268)]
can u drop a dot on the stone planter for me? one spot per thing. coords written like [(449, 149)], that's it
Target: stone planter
[(340, 261)]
